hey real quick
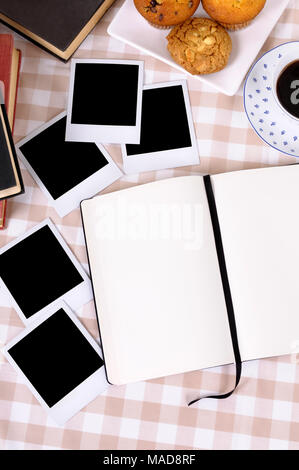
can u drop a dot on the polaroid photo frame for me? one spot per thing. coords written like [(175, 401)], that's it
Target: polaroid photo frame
[(105, 99), (59, 361), (38, 268), (168, 138), (75, 178)]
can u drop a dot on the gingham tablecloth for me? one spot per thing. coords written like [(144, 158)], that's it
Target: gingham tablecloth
[(264, 412)]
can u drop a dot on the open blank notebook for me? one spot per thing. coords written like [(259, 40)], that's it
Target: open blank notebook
[(157, 283)]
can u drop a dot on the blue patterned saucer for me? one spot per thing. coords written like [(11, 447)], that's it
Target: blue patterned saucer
[(272, 124)]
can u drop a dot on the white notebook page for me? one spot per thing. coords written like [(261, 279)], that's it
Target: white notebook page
[(259, 220), (160, 302)]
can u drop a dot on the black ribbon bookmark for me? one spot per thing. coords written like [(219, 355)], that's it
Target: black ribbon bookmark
[(226, 289)]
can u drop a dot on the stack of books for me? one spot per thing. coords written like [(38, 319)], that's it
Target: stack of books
[(10, 59)]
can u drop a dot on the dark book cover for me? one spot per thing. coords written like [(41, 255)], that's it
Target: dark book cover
[(56, 23)]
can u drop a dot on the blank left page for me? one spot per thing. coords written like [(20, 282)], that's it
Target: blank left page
[(156, 280)]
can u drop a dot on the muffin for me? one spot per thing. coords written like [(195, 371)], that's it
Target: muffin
[(233, 14), (200, 45), (166, 13)]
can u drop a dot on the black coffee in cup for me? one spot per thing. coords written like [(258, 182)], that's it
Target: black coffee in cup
[(287, 88)]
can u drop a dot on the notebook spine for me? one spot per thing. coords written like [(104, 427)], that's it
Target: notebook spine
[(226, 288)]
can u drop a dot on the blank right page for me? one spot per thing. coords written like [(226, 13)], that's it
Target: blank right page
[(258, 212)]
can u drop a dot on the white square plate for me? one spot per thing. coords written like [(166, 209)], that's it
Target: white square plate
[(129, 26)]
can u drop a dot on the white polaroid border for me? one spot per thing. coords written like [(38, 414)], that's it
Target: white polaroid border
[(104, 133), (75, 298), (80, 396), (5, 299), (84, 190), (166, 158)]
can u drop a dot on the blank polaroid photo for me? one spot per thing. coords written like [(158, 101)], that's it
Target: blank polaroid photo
[(59, 361), (38, 268), (105, 98), (167, 133), (67, 172)]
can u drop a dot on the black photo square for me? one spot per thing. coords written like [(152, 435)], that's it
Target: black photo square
[(55, 357), (66, 172), (167, 137), (38, 269), (61, 165), (105, 99), (105, 94), (164, 123)]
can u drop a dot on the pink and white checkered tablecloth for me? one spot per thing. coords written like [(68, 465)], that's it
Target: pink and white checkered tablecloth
[(264, 412)]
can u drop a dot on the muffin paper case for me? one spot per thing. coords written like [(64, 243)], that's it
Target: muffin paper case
[(235, 27), (159, 27), (232, 14)]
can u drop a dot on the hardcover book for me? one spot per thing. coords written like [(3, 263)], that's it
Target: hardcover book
[(58, 26), (10, 60), (11, 182), (185, 268), (2, 213)]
